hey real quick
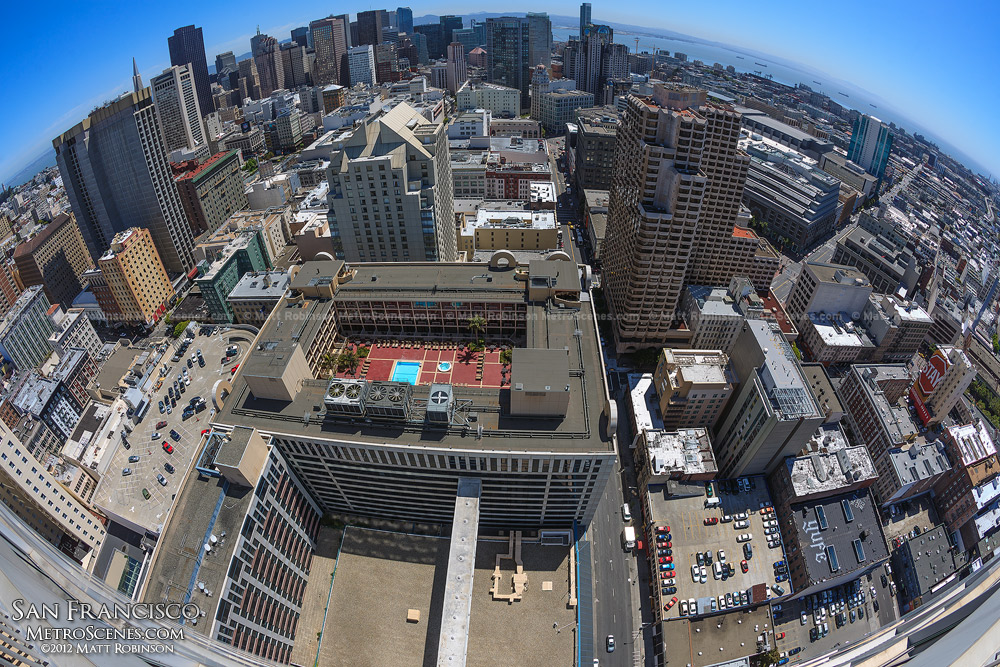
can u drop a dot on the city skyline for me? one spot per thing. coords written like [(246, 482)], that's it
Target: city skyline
[(857, 55)]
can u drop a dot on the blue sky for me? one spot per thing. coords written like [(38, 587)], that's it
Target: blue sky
[(935, 62)]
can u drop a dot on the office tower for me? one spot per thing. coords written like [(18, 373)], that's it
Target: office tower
[(692, 387), (115, 170), (361, 64), (25, 330), (136, 277), (255, 42), (370, 27), (508, 56), (55, 258), (187, 46), (539, 39), (434, 33), (75, 330), (345, 25), (296, 63), (773, 413), (34, 495), (246, 253), (449, 24), (457, 74), (468, 38), (584, 17), (948, 374), (378, 214), (212, 191), (386, 63), (330, 43), (594, 59), (871, 143), (225, 65), (249, 86), (269, 68), (674, 215), (136, 84), (300, 36), (178, 109), (419, 42), (596, 139), (404, 20)]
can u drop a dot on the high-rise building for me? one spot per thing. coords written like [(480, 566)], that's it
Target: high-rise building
[(188, 47), (55, 258), (502, 101), (177, 107), (246, 253), (75, 330), (269, 67), (386, 63), (457, 72), (674, 214), (404, 20), (773, 413), (949, 386), (584, 17), (116, 173), (212, 191), (25, 330), (136, 277), (434, 33), (361, 64), (329, 38), (345, 22), (508, 54), (594, 59), (370, 27), (391, 190), (449, 24), (974, 458), (596, 138), (296, 61), (249, 81), (255, 42), (34, 495), (225, 63), (300, 36), (693, 387), (539, 39), (871, 143)]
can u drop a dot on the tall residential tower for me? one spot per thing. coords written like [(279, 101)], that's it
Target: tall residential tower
[(871, 142)]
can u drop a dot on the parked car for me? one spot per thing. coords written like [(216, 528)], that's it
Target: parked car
[(795, 650), (726, 518), (670, 604), (133, 459), (778, 589), (744, 566), (745, 537), (160, 424), (670, 590), (684, 607), (711, 521), (695, 573), (169, 468), (663, 529), (145, 494), (626, 513), (161, 407), (722, 556), (747, 551), (781, 577), (739, 525), (155, 436), (167, 447), (700, 558), (174, 435), (161, 479), (803, 618), (780, 635), (126, 472), (666, 559), (704, 574)]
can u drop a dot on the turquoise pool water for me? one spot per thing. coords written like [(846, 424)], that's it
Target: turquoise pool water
[(444, 366), (406, 371)]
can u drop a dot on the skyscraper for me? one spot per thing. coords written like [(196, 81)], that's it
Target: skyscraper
[(457, 73), (225, 63), (301, 36), (434, 32), (370, 27), (584, 17), (449, 24), (136, 276), (384, 153), (296, 61), (871, 143), (115, 170), (594, 59), (346, 21), (539, 39), (674, 213), (404, 20), (55, 258), (187, 46), (178, 109), (330, 43), (361, 64), (508, 54), (269, 67)]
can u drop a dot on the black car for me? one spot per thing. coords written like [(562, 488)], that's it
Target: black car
[(813, 634), (175, 435), (884, 582), (670, 590), (747, 550), (169, 468), (701, 558)]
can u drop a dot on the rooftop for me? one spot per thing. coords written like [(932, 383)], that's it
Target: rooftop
[(838, 535), (829, 463), (686, 452), (261, 285), (918, 462), (205, 167), (839, 330), (973, 442), (894, 417), (644, 402), (926, 559), (32, 244)]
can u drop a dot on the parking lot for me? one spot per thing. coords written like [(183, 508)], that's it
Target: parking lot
[(689, 536), (123, 494), (787, 619)]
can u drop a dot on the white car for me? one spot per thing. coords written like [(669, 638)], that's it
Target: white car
[(726, 518), (717, 570), (741, 515), (695, 574), (722, 602), (771, 523), (803, 618), (692, 606), (704, 574), (684, 607), (722, 556), (744, 537), (739, 525)]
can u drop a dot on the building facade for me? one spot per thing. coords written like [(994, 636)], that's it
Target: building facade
[(871, 143), (177, 107), (213, 191), (693, 387), (136, 277), (187, 45), (25, 330), (55, 258), (391, 190), (501, 101)]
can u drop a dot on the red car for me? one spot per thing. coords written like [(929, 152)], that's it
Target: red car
[(663, 529), (711, 521), (160, 425), (205, 431), (233, 369), (167, 447), (665, 575), (670, 604), (744, 566), (780, 635), (666, 559)]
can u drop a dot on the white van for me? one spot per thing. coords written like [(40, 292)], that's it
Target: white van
[(712, 502), (626, 512)]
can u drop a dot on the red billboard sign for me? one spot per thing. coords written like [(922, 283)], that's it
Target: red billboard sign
[(932, 375)]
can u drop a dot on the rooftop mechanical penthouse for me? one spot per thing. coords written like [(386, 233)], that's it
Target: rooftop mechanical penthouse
[(529, 416)]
